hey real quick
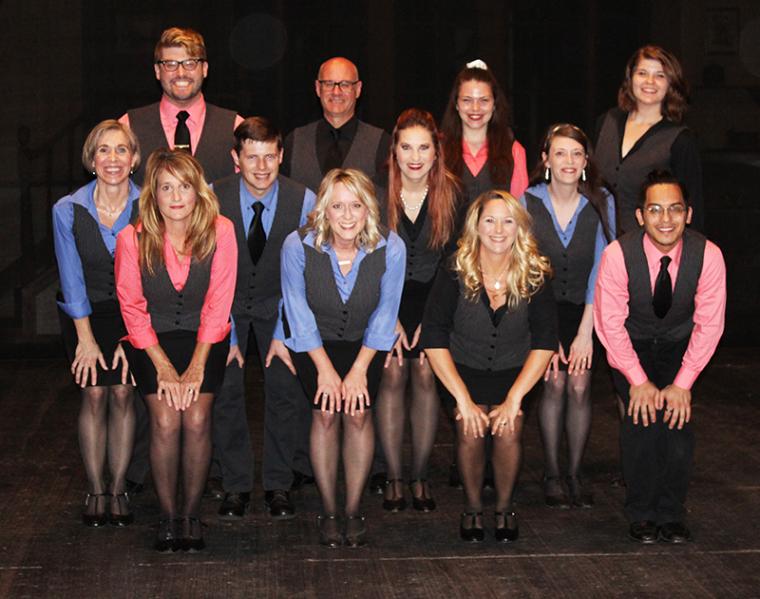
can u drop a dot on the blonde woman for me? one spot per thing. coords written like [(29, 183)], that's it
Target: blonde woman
[(342, 278), (489, 334), (175, 274)]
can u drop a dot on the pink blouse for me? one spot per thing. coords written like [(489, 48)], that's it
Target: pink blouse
[(519, 182)]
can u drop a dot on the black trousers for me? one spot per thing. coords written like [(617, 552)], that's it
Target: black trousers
[(657, 460)]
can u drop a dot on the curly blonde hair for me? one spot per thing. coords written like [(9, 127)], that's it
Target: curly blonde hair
[(359, 185), (201, 233), (527, 267)]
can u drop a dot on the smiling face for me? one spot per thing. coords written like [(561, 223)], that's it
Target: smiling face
[(338, 105), (649, 82), (346, 214), (176, 198), (259, 163), (566, 159), (497, 228), (664, 216), (475, 104), (180, 86), (415, 153), (113, 158)]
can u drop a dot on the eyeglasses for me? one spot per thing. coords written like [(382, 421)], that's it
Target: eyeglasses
[(330, 85), (189, 64), (673, 210)]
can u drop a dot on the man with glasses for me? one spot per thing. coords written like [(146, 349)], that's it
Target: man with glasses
[(339, 139), (182, 118), (659, 310)]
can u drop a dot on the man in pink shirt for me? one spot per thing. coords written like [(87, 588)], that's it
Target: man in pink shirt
[(659, 310), (182, 118)]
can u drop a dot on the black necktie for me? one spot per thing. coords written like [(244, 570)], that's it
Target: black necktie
[(663, 290), (257, 238), (182, 133), (334, 157)]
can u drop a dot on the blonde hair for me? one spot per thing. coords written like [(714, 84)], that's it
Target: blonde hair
[(527, 267), (359, 185), (177, 37), (201, 234), (93, 141)]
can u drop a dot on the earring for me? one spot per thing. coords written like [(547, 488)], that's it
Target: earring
[(583, 175), (547, 174), (93, 172)]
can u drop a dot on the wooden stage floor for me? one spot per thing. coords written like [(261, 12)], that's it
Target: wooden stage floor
[(46, 552)]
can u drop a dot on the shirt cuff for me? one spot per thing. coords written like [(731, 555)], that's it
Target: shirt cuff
[(233, 332), (76, 310), (212, 334), (304, 343), (636, 376), (379, 342), (143, 340), (685, 378)]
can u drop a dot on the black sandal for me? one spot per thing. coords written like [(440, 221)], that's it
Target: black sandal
[(423, 503), (398, 504), (356, 531), (473, 534), (99, 518), (329, 531), (509, 529), (120, 519)]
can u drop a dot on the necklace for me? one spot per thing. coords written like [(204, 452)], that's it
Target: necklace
[(497, 284), (413, 207), (107, 210), (347, 261)]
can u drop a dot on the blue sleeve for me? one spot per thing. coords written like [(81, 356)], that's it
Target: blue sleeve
[(381, 328), (233, 332), (75, 304), (304, 333), (599, 244), (309, 199), (279, 330)]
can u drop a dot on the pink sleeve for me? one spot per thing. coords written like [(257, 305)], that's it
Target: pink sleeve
[(124, 119), (519, 182), (134, 306), (611, 312), (215, 314), (709, 317)]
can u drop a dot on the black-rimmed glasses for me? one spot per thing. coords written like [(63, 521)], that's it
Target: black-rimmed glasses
[(330, 85), (189, 64)]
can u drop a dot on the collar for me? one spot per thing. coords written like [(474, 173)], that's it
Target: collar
[(196, 110), (653, 255), (248, 198)]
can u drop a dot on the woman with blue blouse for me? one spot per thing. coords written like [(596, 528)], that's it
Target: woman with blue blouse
[(342, 278), (85, 226), (573, 221)]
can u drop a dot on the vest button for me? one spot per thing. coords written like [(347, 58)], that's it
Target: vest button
[(490, 359), (110, 293), (180, 295), (493, 334), (493, 347), (176, 322), (564, 293)]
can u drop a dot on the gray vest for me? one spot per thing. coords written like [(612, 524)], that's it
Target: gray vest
[(626, 176), (476, 343), (474, 186), (337, 320), (257, 291), (172, 310), (572, 264), (213, 151), (304, 163), (678, 322)]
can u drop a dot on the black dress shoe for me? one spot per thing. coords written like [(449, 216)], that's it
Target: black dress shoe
[(356, 531), (580, 496), (192, 535), (329, 531), (279, 504), (506, 529), (214, 489), (377, 483), (423, 503), (300, 479), (122, 515), (133, 488), (554, 494), (396, 503), (234, 506), (166, 537), (97, 517), (675, 532), (644, 532), (474, 532)]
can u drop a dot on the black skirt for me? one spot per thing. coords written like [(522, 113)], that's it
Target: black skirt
[(179, 347), (107, 328), (342, 354), (486, 387), (410, 311)]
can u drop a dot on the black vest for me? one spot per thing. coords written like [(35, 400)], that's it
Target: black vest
[(626, 176), (257, 292), (477, 343), (474, 186), (172, 310), (336, 320), (572, 264), (304, 163), (678, 322), (213, 151)]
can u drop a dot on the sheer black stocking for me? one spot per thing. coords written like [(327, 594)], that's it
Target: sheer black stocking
[(165, 435), (507, 451), (92, 441), (121, 433), (471, 459), (358, 449), (424, 417), (390, 416), (324, 443), (196, 452), (578, 419), (551, 416)]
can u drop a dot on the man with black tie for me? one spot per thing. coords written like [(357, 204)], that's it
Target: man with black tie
[(264, 207)]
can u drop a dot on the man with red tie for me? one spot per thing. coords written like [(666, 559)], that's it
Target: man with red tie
[(659, 310)]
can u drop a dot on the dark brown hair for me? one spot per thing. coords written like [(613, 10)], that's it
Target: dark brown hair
[(256, 128)]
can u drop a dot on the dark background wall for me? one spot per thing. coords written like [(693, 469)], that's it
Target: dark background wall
[(68, 65)]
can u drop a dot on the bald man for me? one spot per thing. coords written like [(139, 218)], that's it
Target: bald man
[(338, 139)]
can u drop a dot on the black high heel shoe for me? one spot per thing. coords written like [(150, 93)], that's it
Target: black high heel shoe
[(580, 496), (399, 503), (554, 494), (329, 531), (120, 519), (423, 503), (192, 535), (356, 531), (473, 534), (166, 537), (99, 518), (508, 530)]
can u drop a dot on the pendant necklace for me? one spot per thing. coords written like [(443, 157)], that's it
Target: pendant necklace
[(413, 207)]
